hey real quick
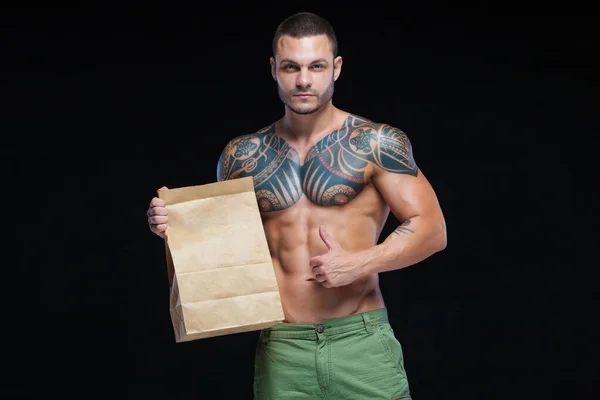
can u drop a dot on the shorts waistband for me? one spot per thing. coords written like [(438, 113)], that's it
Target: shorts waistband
[(328, 327)]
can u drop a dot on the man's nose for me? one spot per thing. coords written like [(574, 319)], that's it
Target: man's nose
[(303, 79)]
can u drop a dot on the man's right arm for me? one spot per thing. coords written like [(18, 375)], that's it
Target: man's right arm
[(237, 157), (223, 165)]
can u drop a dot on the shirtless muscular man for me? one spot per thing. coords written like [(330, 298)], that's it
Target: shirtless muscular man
[(325, 182)]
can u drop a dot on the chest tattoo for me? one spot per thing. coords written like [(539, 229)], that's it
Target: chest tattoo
[(333, 172)]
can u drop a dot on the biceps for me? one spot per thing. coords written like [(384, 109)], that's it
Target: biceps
[(407, 196)]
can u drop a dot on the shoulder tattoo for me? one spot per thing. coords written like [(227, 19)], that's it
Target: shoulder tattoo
[(387, 147)]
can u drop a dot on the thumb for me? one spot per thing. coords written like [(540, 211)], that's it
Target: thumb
[(162, 188), (332, 244)]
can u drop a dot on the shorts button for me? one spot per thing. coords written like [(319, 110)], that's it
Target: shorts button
[(320, 328)]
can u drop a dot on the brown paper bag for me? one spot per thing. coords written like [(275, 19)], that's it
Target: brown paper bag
[(219, 267)]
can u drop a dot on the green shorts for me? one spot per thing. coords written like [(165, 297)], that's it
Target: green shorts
[(353, 357)]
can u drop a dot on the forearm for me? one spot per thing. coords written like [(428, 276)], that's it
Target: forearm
[(410, 243)]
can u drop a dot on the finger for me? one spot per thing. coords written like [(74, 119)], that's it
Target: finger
[(316, 261), (156, 202), (319, 274), (159, 229), (158, 220), (157, 211), (162, 188), (327, 284), (326, 237)]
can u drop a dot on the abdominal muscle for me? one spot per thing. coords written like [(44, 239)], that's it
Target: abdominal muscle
[(293, 237)]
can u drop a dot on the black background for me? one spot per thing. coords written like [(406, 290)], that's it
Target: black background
[(107, 102)]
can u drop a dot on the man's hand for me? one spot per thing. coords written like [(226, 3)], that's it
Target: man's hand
[(157, 215), (335, 268)]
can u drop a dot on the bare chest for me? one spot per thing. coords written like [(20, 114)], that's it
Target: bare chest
[(331, 173)]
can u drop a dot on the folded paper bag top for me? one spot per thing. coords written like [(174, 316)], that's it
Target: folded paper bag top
[(219, 266)]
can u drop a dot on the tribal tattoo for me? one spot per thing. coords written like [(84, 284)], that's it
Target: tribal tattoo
[(333, 172), (274, 165), (403, 228)]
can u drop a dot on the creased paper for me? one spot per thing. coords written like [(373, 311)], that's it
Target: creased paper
[(219, 267)]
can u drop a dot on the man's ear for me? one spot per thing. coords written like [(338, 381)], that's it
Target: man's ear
[(273, 67), (337, 67)]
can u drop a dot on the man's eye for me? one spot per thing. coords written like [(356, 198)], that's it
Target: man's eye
[(317, 66), (290, 67)]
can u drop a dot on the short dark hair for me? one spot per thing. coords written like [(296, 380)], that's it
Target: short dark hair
[(305, 24)]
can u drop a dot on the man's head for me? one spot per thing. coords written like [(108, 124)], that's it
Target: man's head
[(305, 63)]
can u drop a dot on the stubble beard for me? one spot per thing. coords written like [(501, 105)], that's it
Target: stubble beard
[(286, 98)]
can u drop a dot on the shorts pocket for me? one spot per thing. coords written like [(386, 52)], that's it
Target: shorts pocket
[(391, 346)]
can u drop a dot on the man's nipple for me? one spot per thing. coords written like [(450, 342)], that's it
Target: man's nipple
[(340, 199)]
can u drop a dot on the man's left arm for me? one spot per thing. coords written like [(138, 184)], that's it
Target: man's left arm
[(412, 200)]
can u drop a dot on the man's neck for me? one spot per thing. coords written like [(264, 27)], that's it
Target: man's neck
[(304, 128)]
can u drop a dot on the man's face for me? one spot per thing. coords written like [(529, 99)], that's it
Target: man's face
[(305, 71)]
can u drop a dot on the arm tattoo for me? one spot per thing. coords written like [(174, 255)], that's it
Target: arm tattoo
[(387, 147), (403, 228)]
